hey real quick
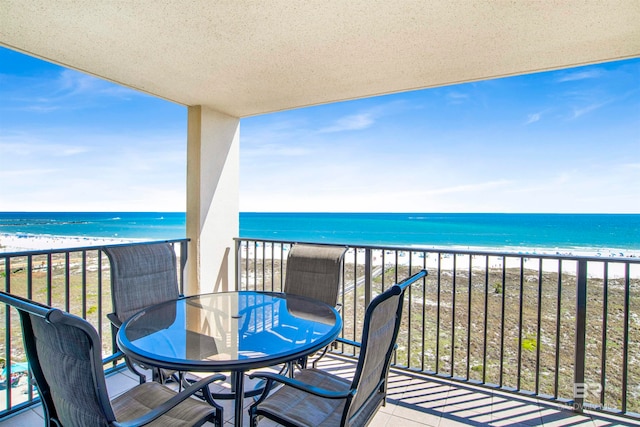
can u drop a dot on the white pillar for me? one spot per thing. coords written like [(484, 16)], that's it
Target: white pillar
[(213, 184)]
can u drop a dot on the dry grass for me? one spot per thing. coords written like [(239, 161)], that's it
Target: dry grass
[(519, 353)]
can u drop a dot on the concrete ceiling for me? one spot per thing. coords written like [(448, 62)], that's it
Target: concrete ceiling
[(244, 57)]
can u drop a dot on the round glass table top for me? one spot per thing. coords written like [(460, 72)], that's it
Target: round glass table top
[(229, 331)]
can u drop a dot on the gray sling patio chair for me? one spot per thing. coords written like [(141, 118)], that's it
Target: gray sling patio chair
[(141, 276), (315, 271), (65, 356), (317, 398)]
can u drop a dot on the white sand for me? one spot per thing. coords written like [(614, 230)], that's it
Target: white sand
[(34, 242), (529, 257), (18, 243)]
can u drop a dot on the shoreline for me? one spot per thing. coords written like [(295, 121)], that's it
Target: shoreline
[(37, 242), (614, 256), (530, 259)]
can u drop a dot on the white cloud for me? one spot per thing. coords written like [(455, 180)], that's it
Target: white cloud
[(455, 97), (532, 118), (352, 122), (71, 83), (577, 112), (580, 75)]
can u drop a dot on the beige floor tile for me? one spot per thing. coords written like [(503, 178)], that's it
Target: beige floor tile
[(414, 401), (22, 419)]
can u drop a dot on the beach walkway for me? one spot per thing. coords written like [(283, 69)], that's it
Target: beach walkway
[(413, 401)]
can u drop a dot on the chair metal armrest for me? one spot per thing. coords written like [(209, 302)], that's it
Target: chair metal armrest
[(113, 358), (356, 343), (114, 320), (171, 403), (292, 382), (348, 342)]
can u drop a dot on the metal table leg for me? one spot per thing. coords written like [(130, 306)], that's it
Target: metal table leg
[(237, 379)]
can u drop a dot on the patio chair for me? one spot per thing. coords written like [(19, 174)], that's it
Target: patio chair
[(318, 398), (141, 276), (315, 271), (65, 356)]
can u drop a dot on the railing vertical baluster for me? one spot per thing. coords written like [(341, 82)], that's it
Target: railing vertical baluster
[(184, 256), (273, 258), (67, 282), (581, 333), (409, 311), (395, 353), (354, 334), (49, 278), (264, 259), (238, 249), (395, 276), (558, 319), (486, 319), (282, 267), (255, 265), (342, 299), (99, 255), (7, 321), (367, 276), (625, 342), (84, 284), (502, 319), (469, 318), (49, 288), (384, 266), (438, 286), (539, 327), (424, 311), (29, 276), (454, 273), (605, 316), (520, 324)]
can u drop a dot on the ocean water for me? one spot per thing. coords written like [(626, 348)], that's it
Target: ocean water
[(124, 225), (576, 232)]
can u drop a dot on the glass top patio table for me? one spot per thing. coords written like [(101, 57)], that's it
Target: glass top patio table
[(229, 331)]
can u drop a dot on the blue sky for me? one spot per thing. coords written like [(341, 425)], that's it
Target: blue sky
[(562, 141)]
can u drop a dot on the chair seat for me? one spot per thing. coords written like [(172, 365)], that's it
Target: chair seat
[(141, 399), (305, 409)]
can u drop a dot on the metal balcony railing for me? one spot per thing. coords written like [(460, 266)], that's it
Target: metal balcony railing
[(559, 327), (75, 280)]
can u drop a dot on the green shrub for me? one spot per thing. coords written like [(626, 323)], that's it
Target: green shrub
[(497, 287)]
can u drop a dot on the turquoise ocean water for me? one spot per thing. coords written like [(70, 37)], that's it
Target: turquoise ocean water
[(583, 232)]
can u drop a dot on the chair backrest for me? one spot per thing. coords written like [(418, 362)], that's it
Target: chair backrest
[(64, 354), (315, 271), (380, 331), (141, 275)]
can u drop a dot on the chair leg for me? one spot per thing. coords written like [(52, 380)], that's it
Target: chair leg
[(207, 397), (253, 417), (132, 368)]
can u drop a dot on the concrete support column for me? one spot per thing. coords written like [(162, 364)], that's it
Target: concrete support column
[(213, 185)]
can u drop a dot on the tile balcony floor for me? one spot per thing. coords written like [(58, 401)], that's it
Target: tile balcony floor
[(413, 401)]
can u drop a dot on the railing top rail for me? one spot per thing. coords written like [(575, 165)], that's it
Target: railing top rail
[(85, 248), (454, 251)]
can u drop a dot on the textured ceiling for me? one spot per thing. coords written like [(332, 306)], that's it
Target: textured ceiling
[(250, 57)]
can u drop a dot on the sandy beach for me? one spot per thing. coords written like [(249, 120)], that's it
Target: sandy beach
[(418, 257), (431, 260), (30, 242)]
